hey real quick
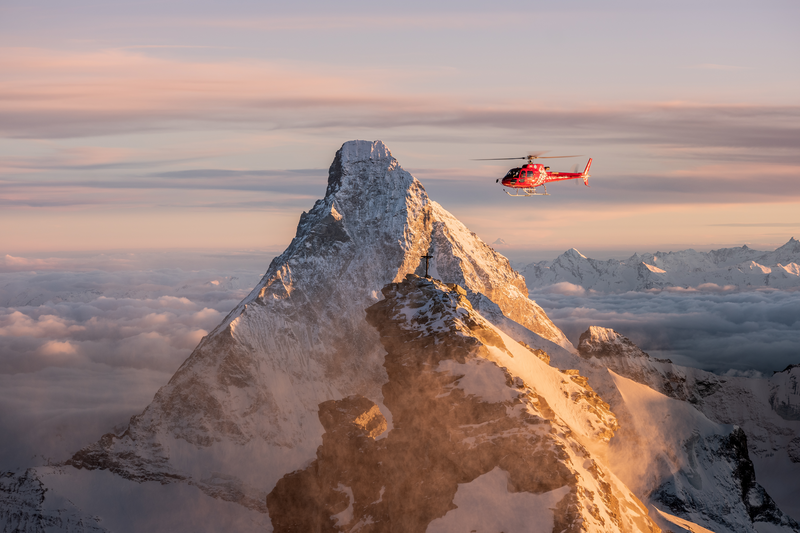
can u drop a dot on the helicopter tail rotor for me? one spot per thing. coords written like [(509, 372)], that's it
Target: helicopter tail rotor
[(586, 172)]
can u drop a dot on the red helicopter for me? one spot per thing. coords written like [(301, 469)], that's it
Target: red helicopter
[(532, 175)]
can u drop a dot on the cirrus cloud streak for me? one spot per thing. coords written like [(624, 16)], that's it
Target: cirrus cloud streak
[(70, 94)]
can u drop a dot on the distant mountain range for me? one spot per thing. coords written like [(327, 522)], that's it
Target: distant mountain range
[(727, 268)]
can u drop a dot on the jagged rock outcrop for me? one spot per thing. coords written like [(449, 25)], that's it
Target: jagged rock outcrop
[(303, 328), (784, 395), (26, 507), (620, 354), (461, 418), (710, 458), (699, 460)]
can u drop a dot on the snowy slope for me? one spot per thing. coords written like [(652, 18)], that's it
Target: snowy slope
[(700, 470), (476, 446), (739, 268), (242, 410), (760, 407), (83, 501)]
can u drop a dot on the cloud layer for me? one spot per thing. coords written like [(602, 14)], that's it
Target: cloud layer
[(708, 328), (81, 352), (54, 94), (132, 319), (50, 414)]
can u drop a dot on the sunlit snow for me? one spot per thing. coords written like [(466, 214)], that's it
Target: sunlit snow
[(486, 506), (479, 378)]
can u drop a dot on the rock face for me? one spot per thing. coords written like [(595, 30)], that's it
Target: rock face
[(735, 267), (698, 450), (231, 419), (620, 354), (784, 396), (25, 506), (740, 503), (461, 419)]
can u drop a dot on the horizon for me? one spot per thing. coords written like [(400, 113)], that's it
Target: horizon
[(237, 258)]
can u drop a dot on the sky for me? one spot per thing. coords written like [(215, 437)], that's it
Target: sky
[(208, 125), (155, 155)]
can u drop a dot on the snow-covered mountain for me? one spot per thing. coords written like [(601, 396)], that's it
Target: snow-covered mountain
[(736, 268), (348, 393), (303, 328), (479, 422), (242, 410), (762, 412)]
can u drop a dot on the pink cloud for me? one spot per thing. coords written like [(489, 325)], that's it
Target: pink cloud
[(61, 93), (16, 324)]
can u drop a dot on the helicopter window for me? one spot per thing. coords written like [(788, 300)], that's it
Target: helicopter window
[(512, 173)]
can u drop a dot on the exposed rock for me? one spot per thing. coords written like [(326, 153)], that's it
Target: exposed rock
[(677, 458), (26, 507), (457, 416), (620, 354), (785, 393)]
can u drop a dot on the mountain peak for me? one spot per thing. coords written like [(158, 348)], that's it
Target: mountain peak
[(300, 338), (574, 253), (792, 245), (725, 267), (605, 342), (356, 156)]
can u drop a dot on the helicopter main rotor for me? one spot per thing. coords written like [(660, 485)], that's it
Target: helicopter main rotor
[(530, 157)]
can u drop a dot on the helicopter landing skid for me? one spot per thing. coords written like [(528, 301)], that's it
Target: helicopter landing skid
[(529, 192)]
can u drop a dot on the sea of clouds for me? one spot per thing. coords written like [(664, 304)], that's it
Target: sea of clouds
[(81, 351), (714, 328), (85, 342)]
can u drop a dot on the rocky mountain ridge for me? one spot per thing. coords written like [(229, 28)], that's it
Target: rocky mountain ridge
[(768, 434), (460, 419), (731, 268)]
